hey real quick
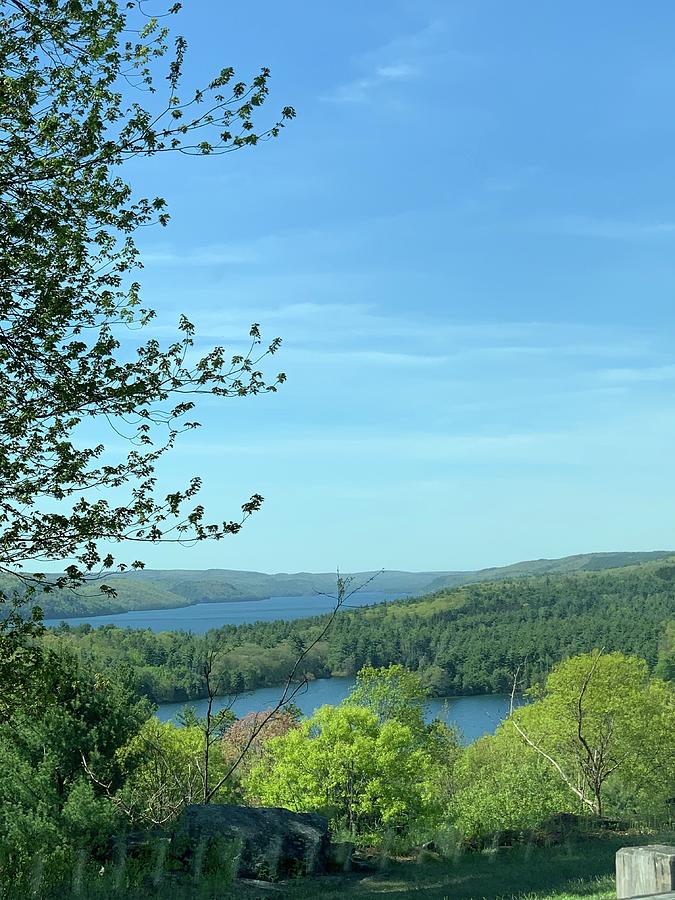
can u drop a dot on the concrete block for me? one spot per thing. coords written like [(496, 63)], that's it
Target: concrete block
[(645, 871), (669, 896)]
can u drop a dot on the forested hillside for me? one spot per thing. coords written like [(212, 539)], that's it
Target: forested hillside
[(169, 588), (468, 640), (581, 562)]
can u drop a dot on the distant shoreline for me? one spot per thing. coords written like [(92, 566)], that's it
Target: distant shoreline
[(369, 598), (158, 590), (122, 612), (150, 609)]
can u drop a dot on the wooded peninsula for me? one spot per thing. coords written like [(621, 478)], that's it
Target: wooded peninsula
[(467, 640)]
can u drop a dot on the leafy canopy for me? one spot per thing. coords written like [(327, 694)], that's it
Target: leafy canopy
[(50, 809), (88, 85), (600, 718), (500, 785), (391, 692), (370, 764), (69, 305), (164, 771)]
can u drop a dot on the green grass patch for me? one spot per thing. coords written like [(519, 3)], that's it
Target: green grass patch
[(581, 868), (436, 603)]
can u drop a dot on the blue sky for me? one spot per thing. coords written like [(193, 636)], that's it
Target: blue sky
[(466, 240)]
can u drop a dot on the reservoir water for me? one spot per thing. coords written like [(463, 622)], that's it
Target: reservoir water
[(475, 716), (203, 616)]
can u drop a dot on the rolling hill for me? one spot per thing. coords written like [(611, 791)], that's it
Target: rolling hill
[(170, 588), (462, 640), (581, 562)]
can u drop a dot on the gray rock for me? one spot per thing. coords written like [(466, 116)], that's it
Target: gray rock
[(340, 856), (260, 843), (645, 871)]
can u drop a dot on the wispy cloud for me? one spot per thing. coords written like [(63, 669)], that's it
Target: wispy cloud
[(360, 90), (610, 228), (568, 447), (215, 255), (371, 328), (486, 368), (421, 446), (403, 59), (374, 358), (647, 374)]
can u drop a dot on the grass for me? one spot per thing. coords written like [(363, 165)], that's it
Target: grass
[(582, 868), (442, 601)]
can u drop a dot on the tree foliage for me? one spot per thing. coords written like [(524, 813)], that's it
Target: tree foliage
[(600, 717), (597, 739), (87, 86), (665, 667), (246, 739), (391, 692), (466, 641), (50, 810), (164, 768), (499, 785), (370, 764)]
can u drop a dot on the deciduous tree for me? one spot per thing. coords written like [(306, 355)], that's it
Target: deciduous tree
[(371, 764), (81, 97), (598, 717)]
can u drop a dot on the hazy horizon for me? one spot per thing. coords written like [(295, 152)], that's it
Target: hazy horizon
[(370, 569)]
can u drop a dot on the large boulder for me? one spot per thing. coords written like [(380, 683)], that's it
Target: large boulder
[(263, 843)]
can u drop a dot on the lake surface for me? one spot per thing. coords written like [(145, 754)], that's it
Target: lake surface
[(203, 616), (475, 716)]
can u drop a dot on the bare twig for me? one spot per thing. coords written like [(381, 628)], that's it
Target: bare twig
[(290, 690)]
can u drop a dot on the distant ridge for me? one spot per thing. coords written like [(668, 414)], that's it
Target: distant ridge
[(169, 588), (581, 562)]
